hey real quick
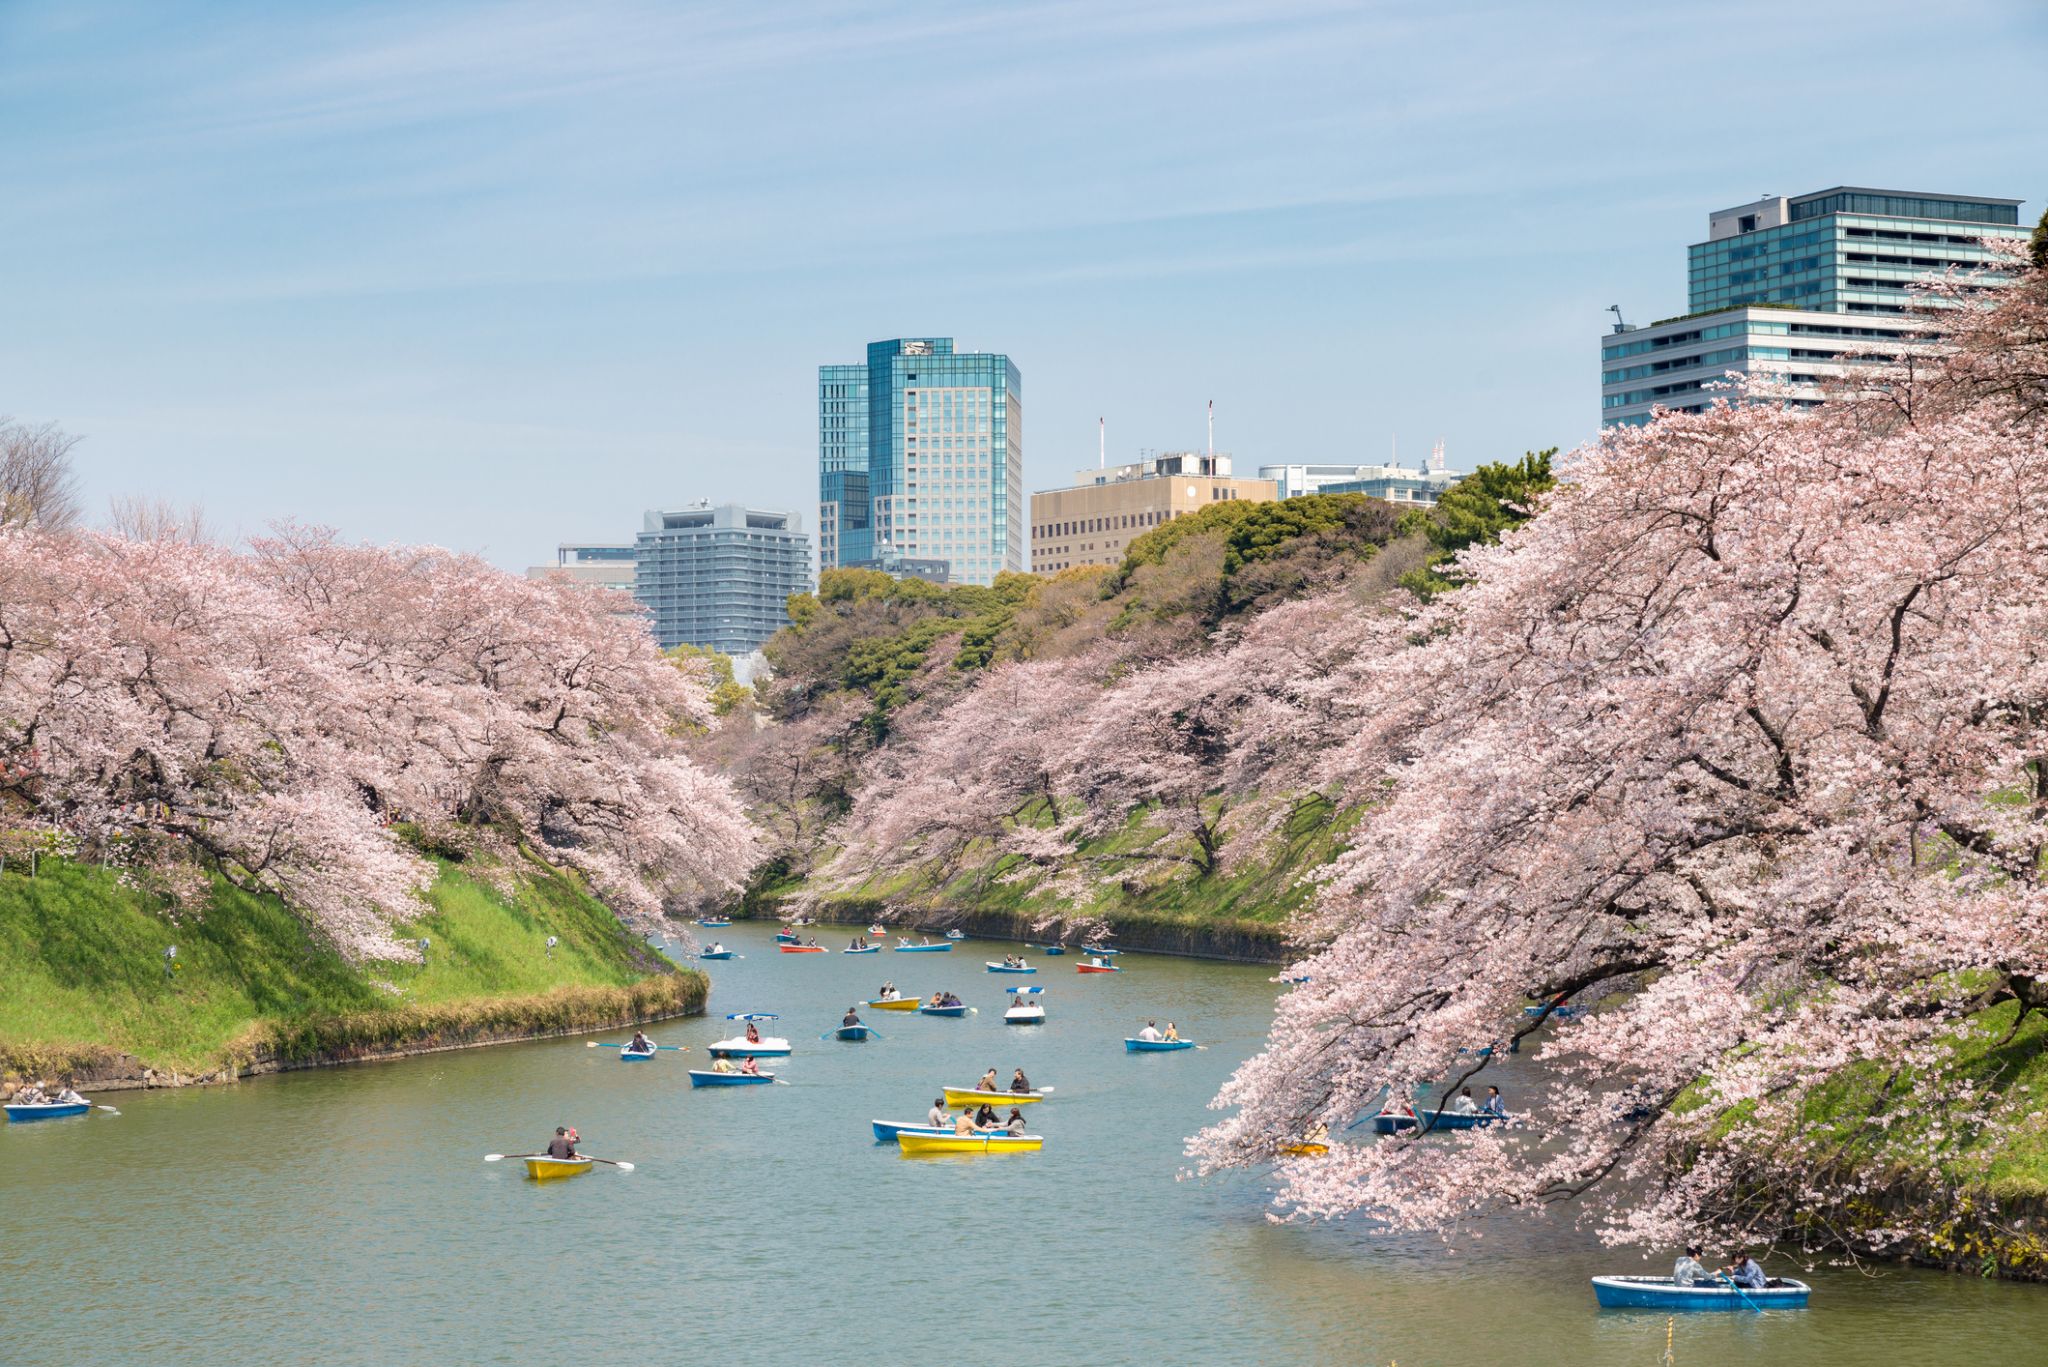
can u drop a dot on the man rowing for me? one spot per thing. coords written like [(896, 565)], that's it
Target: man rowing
[(1150, 1034), (852, 1018), (562, 1148)]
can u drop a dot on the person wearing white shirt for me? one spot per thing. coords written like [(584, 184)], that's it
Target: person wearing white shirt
[(1150, 1034)]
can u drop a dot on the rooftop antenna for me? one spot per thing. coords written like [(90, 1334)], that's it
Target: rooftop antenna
[(1102, 443), (1619, 325), (1212, 427)]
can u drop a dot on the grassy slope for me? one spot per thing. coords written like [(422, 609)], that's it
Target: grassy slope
[(80, 954)]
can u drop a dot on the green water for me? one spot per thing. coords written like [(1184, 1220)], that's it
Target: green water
[(344, 1216)]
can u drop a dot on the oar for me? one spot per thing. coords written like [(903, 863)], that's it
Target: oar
[(870, 1029), (620, 1164), (600, 1044), (498, 1157), (108, 1109), (1739, 1291)]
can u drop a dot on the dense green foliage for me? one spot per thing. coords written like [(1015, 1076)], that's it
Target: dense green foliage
[(1348, 523), (81, 954), (1479, 508)]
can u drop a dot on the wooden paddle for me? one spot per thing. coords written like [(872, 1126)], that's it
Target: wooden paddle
[(620, 1164)]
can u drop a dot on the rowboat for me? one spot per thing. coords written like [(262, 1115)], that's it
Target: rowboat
[(1305, 1150), (801, 949), (635, 1056), (852, 1034), (714, 922), (969, 1143), (878, 929), (545, 1169), (1394, 1124), (955, 1011), (710, 1079), (887, 1130), (1661, 1293), (955, 935), (1156, 1046), (716, 954), (47, 1110), (785, 937), (1103, 950), (1098, 966), (895, 1004), (972, 1096), (994, 967), (943, 947), (871, 949), (1025, 1007)]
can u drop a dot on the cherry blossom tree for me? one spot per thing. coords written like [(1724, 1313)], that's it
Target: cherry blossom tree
[(1752, 720)]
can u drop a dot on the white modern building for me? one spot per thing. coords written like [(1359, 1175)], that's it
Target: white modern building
[(1394, 482), (1794, 287)]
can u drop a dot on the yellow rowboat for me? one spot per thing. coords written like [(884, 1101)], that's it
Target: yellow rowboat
[(969, 1143), (1306, 1150), (968, 1096), (899, 1004), (546, 1169)]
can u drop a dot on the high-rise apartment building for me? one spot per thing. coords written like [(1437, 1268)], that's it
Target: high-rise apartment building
[(719, 577), (1789, 285), (921, 455), (1095, 521)]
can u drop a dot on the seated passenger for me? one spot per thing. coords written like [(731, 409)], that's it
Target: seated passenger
[(1746, 1273), (1689, 1269), (1150, 1034), (1018, 1082), (1463, 1104)]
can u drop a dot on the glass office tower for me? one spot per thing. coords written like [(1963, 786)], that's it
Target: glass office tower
[(921, 456), (1788, 285)]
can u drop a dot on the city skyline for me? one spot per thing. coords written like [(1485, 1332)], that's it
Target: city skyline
[(395, 268)]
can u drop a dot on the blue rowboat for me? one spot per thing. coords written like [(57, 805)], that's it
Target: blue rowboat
[(1006, 968), (955, 935), (48, 1110), (853, 1034), (887, 1130), (716, 954), (1394, 1124), (959, 1010), (943, 947), (629, 1056), (702, 1079), (1156, 1046), (1661, 1293), (1054, 950), (871, 949), (1100, 949), (785, 937), (714, 923)]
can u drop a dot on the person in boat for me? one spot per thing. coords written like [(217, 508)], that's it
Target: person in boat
[(67, 1097), (753, 1033), (31, 1094), (986, 1118), (1015, 1124), (1494, 1104), (563, 1146), (641, 1044), (750, 1066), (988, 1082), (1150, 1034), (889, 993), (965, 1124), (936, 1117), (1172, 1031), (722, 1064), (938, 999), (852, 1018), (1747, 1273), (717, 947), (1689, 1270), (1463, 1104), (1019, 1083), (950, 1000), (1318, 1133)]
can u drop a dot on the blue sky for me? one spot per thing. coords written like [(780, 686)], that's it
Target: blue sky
[(495, 276)]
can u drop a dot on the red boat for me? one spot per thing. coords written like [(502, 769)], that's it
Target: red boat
[(802, 949), (1097, 966)]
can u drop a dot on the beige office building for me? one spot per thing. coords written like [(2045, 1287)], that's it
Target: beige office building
[(1094, 522)]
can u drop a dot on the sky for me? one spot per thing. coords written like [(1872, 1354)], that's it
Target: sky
[(499, 276)]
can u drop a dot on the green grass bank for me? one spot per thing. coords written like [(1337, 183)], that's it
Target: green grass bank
[(81, 955)]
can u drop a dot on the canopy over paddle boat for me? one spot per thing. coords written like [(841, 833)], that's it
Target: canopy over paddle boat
[(1054, 950), (1025, 1007), (716, 954), (955, 935), (969, 1143), (801, 949), (995, 967), (1393, 1122), (1661, 1293), (46, 1110), (887, 1130), (739, 1046), (705, 1078), (713, 921), (942, 947), (543, 1169), (852, 1034), (954, 1011), (896, 1003), (1097, 966), (1156, 1046), (973, 1096)]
